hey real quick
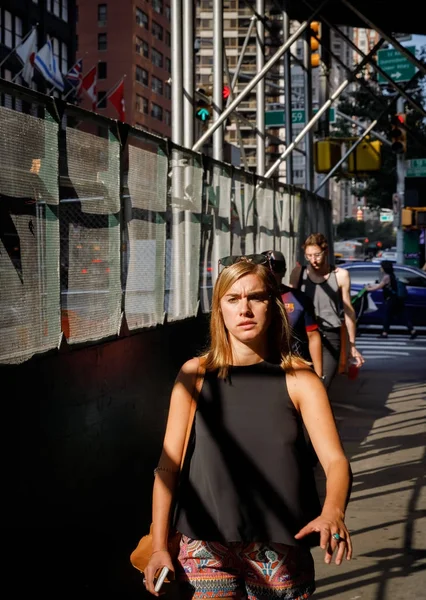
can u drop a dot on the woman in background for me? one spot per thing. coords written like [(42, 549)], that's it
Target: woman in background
[(393, 304)]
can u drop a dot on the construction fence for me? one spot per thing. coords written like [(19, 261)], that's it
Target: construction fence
[(106, 230)]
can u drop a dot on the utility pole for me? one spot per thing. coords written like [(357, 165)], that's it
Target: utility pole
[(400, 190)]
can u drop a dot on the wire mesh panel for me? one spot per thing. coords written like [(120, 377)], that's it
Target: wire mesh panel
[(183, 250), (217, 239), (265, 208), (286, 233), (29, 236), (90, 238), (242, 215), (145, 210)]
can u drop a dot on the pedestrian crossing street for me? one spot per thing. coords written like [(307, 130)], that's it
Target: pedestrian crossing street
[(396, 345)]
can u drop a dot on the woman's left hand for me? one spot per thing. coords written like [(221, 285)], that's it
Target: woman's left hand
[(334, 537)]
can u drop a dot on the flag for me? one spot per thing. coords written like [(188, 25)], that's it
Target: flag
[(46, 64), (26, 53), (75, 75), (116, 97), (88, 83)]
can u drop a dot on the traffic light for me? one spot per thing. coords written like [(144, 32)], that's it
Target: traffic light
[(203, 109), (359, 214), (315, 27), (398, 134)]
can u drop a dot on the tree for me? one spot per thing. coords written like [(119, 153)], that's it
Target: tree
[(377, 187)]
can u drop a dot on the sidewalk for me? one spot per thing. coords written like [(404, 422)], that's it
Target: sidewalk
[(381, 419)]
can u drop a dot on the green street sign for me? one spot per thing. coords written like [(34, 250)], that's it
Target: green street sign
[(416, 167), (395, 64), (276, 118)]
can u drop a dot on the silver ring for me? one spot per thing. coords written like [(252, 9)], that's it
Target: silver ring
[(144, 581)]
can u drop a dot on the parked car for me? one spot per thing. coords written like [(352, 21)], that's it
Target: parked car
[(362, 273), (385, 255)]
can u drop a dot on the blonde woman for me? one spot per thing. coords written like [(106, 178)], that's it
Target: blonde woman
[(246, 504)]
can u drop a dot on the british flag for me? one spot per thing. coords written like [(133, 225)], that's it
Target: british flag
[(75, 76)]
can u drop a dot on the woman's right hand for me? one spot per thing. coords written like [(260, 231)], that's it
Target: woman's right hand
[(158, 560)]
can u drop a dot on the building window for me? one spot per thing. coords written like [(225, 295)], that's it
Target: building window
[(157, 58), (102, 41), (102, 15), (168, 13), (142, 18), (57, 8), (64, 14), (157, 6), (142, 76), (156, 85), (102, 100), (102, 70), (168, 91), (168, 117), (168, 65), (157, 31), (64, 58), (142, 104), (156, 112), (142, 47), (7, 30), (168, 39)]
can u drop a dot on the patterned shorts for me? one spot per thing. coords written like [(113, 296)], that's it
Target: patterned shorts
[(244, 570)]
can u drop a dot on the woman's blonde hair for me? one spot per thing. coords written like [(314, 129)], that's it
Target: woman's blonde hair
[(219, 354)]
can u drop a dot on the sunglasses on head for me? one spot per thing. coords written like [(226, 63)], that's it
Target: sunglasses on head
[(257, 259)]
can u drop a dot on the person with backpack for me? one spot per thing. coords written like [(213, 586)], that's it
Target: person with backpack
[(328, 287), (394, 295), (300, 313)]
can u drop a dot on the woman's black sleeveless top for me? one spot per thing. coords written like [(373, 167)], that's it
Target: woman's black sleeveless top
[(247, 475)]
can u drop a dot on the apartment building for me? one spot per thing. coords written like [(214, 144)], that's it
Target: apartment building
[(130, 40), (54, 20)]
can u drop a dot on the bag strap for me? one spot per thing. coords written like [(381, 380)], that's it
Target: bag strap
[(198, 384)]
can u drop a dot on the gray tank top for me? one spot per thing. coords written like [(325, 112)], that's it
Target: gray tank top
[(326, 299)]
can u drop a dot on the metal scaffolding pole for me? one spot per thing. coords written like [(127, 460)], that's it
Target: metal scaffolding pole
[(379, 136), (287, 95), (345, 156), (323, 108), (307, 90), (177, 78), (372, 63), (217, 80), (188, 72), (388, 38), (260, 90), (242, 54), (271, 62), (237, 123)]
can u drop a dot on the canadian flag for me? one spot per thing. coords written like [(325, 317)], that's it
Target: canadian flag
[(116, 97), (26, 53), (88, 83)]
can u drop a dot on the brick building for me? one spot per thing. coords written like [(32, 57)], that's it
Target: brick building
[(131, 40)]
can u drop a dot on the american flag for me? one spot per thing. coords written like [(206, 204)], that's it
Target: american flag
[(75, 75)]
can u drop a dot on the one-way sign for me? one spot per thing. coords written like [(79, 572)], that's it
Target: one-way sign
[(395, 64)]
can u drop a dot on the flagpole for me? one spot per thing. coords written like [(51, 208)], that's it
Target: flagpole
[(69, 91), (17, 75), (20, 44), (111, 90), (82, 77)]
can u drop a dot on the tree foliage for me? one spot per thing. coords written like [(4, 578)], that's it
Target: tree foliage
[(368, 102)]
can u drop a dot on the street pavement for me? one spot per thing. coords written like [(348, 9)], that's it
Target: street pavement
[(381, 416)]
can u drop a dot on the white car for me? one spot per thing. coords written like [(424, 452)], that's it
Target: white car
[(386, 255)]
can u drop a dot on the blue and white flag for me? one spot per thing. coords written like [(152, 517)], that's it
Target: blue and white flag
[(46, 64)]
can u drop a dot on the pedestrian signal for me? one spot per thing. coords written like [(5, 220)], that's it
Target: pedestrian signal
[(398, 134), (315, 28)]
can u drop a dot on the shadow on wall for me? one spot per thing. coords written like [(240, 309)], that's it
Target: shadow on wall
[(82, 433)]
